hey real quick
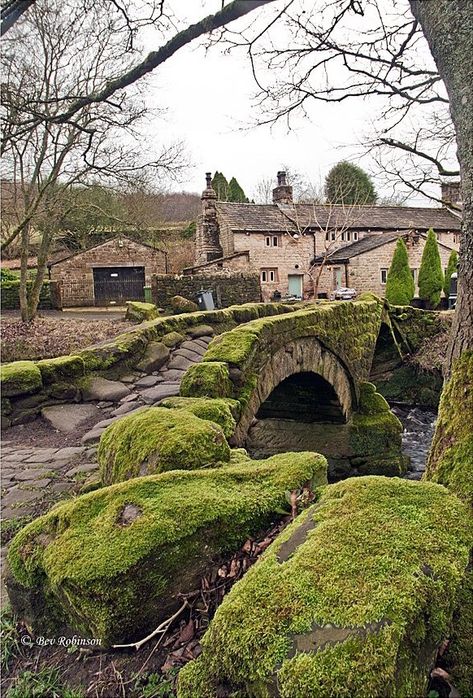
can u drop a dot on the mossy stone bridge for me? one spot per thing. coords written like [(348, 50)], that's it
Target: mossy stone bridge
[(309, 367)]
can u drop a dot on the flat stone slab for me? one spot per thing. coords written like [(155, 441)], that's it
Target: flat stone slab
[(66, 418), (17, 497), (189, 354), (181, 363), (92, 436), (103, 389), (124, 409), (173, 376), (146, 382), (153, 395), (31, 474), (68, 452), (201, 331), (194, 345), (84, 468)]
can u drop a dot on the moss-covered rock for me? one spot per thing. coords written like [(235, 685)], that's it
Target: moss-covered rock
[(61, 369), (451, 456), (155, 356), (349, 601), (20, 378), (210, 379), (221, 411), (140, 312), (156, 439), (123, 348), (376, 436), (179, 304), (111, 563), (172, 339), (460, 652)]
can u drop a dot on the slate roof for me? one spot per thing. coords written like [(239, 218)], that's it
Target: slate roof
[(301, 217), (370, 242)]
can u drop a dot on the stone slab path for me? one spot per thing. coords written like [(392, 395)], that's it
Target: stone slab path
[(54, 457)]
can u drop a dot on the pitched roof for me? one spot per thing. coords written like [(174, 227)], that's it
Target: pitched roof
[(366, 244), (102, 244), (296, 217)]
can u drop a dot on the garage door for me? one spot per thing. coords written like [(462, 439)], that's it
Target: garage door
[(116, 285)]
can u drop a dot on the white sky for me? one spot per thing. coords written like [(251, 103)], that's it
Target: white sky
[(208, 98)]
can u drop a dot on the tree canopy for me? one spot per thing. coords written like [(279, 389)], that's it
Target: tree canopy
[(451, 267), (228, 191), (349, 184), (430, 272), (400, 287)]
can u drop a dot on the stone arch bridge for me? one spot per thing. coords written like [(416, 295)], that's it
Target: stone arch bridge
[(301, 383)]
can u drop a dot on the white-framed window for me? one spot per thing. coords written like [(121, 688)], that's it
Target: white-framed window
[(268, 275), (333, 235), (348, 236), (383, 273), (343, 237), (355, 235), (272, 241)]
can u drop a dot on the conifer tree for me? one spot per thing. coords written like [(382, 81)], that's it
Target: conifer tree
[(451, 267), (350, 185), (220, 186), (430, 272), (400, 287), (236, 193)]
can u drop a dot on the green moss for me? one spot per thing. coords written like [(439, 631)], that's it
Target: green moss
[(349, 601), (112, 563), (210, 379), (221, 411), (123, 348), (235, 347), (451, 456), (371, 402), (172, 339), (460, 652), (60, 369), (140, 312), (411, 385), (20, 378), (156, 439)]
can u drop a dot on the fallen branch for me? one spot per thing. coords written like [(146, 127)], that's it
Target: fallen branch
[(162, 628)]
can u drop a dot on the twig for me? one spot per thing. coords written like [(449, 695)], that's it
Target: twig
[(162, 628)]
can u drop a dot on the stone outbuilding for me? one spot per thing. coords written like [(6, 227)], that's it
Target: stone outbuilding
[(284, 242), (108, 274)]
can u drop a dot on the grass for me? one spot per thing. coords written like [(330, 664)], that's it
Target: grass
[(43, 684), (9, 641)]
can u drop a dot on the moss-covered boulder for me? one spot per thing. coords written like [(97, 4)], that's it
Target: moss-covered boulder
[(350, 600), (141, 312), (207, 379), (20, 378), (221, 411), (451, 456), (154, 358), (156, 439), (179, 304), (124, 348), (61, 369), (172, 339), (111, 563)]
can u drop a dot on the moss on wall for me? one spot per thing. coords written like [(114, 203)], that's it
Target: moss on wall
[(156, 439), (349, 601), (221, 411), (111, 563), (20, 378)]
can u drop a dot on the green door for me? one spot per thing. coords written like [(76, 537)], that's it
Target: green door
[(295, 285)]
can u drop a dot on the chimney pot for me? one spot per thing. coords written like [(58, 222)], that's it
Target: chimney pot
[(281, 178), (208, 179), (282, 194)]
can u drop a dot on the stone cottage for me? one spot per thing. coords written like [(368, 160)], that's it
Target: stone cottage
[(287, 243), (108, 274)]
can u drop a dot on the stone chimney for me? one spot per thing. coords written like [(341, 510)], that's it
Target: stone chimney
[(208, 231), (451, 193), (282, 194)]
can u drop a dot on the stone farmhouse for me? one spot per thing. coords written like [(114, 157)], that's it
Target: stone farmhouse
[(300, 249)]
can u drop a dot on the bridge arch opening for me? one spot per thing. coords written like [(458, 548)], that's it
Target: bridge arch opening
[(304, 397)]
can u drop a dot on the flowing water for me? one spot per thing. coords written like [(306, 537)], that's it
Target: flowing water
[(419, 425)]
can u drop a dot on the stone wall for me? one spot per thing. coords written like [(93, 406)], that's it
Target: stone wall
[(10, 294), (228, 289), (363, 272), (75, 274)]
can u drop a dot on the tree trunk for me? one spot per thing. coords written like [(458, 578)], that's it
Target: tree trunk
[(42, 261), (23, 291), (448, 28)]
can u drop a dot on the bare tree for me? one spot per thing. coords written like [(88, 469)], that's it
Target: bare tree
[(56, 48)]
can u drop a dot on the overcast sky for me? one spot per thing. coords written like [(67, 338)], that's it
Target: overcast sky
[(208, 96)]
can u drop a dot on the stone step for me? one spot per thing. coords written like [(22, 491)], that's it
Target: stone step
[(158, 393)]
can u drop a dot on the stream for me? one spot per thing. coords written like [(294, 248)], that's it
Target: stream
[(419, 425)]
